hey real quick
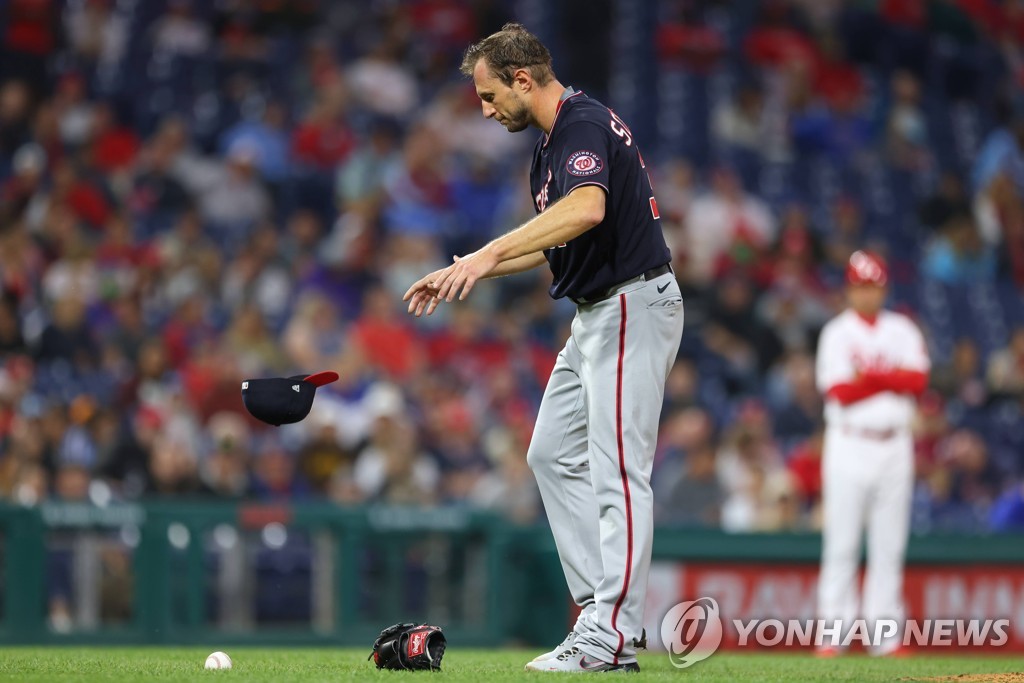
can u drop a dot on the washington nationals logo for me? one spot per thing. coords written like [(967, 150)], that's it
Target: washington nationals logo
[(584, 163), (691, 631)]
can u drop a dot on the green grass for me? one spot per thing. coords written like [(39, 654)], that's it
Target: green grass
[(125, 665)]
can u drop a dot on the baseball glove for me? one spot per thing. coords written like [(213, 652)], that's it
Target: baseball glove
[(409, 646)]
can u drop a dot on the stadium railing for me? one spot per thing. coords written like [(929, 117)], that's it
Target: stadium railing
[(318, 574)]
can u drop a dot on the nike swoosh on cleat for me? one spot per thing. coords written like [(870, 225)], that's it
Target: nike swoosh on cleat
[(589, 664)]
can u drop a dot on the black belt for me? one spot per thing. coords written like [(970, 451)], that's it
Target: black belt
[(606, 293)]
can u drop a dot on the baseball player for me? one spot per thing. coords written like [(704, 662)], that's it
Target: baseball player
[(593, 444), (872, 364)]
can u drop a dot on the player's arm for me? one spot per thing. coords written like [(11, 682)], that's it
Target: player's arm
[(899, 380), (836, 376), (518, 265), (864, 386), (911, 376), (564, 220), (422, 295)]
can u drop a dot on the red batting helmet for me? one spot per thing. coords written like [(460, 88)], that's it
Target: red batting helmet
[(866, 268)]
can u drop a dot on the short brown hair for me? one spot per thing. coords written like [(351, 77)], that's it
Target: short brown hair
[(511, 48)]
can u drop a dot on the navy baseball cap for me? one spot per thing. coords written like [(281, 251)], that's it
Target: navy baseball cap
[(283, 400)]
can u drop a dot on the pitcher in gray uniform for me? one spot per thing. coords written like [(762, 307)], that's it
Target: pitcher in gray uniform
[(598, 229)]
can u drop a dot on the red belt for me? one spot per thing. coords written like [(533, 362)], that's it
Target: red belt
[(873, 434)]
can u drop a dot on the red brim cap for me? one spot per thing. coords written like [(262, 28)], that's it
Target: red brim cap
[(321, 378), (866, 268)]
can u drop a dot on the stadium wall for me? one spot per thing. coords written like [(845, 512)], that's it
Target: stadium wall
[(322, 575)]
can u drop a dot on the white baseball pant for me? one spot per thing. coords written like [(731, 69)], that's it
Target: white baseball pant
[(592, 451), (866, 482)]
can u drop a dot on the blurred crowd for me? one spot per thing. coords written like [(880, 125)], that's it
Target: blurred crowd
[(193, 194)]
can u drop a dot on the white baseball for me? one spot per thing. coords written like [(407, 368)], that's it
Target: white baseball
[(218, 660)]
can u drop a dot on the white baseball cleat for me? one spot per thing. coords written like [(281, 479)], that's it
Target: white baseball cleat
[(569, 641), (573, 661)]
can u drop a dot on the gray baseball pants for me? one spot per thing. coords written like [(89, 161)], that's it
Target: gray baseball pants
[(592, 451)]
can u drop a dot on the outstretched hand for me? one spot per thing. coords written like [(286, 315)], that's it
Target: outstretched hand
[(422, 295), (464, 273), (442, 285)]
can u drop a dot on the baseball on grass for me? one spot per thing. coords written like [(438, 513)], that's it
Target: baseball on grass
[(218, 660)]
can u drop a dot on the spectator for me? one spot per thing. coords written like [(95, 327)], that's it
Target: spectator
[(94, 32), (691, 495), (172, 469), (267, 136), (735, 333), (179, 33), (224, 471), (1007, 513), (930, 429), (1000, 153), (846, 236), (68, 337), (235, 198), (906, 128), (804, 465), (510, 489), (361, 177), (259, 275), (381, 83), (321, 141), (949, 200), (836, 129), (15, 103), (156, 191), (323, 458), (722, 220), (1005, 372), (275, 476), (797, 403), (249, 340), (384, 339), (999, 211), (25, 184), (739, 123), (454, 119), (962, 378), (683, 386), (795, 305), (392, 468), (752, 474), (676, 181), (957, 255), (313, 334), (12, 341), (961, 486), (74, 112)]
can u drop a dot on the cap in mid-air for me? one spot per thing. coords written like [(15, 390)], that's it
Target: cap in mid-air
[(866, 268), (283, 400)]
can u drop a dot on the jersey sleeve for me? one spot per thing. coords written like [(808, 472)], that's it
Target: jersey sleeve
[(833, 365), (582, 157), (914, 350)]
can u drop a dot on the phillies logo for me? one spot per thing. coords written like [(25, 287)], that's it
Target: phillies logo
[(866, 361), (691, 631), (584, 163)]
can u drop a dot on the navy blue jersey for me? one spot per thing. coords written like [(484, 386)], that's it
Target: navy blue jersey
[(590, 145)]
